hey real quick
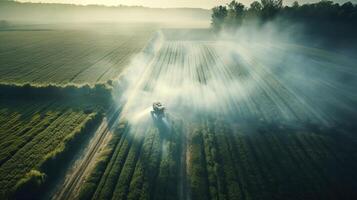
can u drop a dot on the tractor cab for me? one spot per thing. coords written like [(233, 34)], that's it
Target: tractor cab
[(158, 110)]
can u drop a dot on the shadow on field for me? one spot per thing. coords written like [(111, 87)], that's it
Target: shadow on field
[(46, 111), (143, 160), (163, 126)]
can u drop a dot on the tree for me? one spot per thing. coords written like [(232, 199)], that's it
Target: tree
[(254, 10), (236, 7), (219, 14), (319, 17), (255, 6), (235, 14), (295, 4), (347, 10), (271, 8), (277, 4)]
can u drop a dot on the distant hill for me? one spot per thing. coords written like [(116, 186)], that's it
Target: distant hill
[(43, 12)]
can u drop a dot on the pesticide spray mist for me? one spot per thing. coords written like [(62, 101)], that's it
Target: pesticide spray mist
[(256, 74)]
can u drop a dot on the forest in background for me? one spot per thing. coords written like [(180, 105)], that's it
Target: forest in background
[(322, 19)]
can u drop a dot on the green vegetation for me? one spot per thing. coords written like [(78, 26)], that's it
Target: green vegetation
[(61, 55), (270, 161), (317, 18), (56, 84), (271, 138), (271, 145), (226, 161), (97, 93), (30, 183), (92, 181), (35, 135), (140, 163)]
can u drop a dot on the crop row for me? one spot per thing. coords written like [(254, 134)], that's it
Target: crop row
[(250, 85), (67, 56), (33, 132), (269, 162), (225, 161), (300, 85), (238, 84), (142, 163), (250, 135)]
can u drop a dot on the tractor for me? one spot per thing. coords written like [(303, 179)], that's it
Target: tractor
[(158, 110)]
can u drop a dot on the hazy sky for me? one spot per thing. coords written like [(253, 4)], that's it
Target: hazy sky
[(163, 3)]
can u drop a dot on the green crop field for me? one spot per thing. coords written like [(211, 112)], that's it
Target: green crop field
[(270, 162), (264, 136), (139, 163), (69, 54), (104, 103), (225, 161), (40, 125), (34, 131)]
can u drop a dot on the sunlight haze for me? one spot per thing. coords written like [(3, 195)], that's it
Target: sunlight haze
[(161, 3)]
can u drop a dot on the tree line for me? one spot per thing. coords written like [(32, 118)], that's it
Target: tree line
[(319, 16)]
